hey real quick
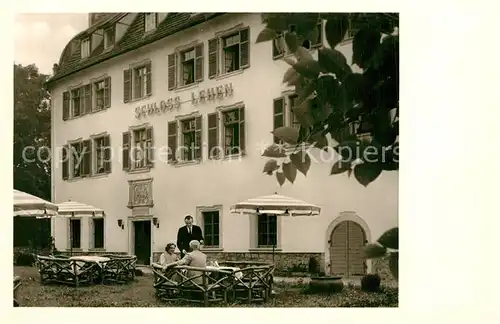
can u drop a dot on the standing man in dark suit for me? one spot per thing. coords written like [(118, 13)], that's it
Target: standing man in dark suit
[(187, 234)]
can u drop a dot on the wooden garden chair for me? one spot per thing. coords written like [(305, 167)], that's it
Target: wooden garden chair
[(253, 284), (65, 271), (175, 283), (17, 284), (119, 270)]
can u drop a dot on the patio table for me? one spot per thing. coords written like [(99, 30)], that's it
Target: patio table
[(233, 269), (80, 260), (91, 258)]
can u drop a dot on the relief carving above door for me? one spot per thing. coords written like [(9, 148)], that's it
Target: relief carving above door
[(140, 193)]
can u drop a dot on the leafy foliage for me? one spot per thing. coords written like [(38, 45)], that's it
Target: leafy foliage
[(370, 282), (31, 129), (338, 108), (386, 247)]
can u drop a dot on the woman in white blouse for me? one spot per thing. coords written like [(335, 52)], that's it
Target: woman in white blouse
[(169, 255)]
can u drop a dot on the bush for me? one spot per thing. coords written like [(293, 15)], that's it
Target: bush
[(386, 297), (24, 259), (370, 283), (313, 265)]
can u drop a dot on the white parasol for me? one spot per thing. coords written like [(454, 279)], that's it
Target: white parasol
[(27, 205), (276, 205)]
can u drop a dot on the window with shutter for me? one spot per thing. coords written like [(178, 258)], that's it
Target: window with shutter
[(88, 99), (242, 131), (172, 68), (107, 154), (149, 81), (126, 160), (127, 85), (244, 48), (149, 147), (66, 105), (213, 136), (199, 63), (197, 139), (77, 159), (172, 141), (86, 158), (107, 92), (279, 116), (65, 162), (213, 55)]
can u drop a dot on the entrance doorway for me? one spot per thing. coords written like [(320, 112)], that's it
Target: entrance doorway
[(346, 250), (142, 241)]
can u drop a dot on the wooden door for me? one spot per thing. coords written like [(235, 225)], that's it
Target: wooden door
[(346, 250), (142, 241)]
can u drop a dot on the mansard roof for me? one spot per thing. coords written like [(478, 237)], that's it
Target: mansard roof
[(134, 37)]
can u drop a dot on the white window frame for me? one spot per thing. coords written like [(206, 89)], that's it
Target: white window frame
[(93, 140), (71, 174), (179, 120), (148, 26), (221, 36), (92, 234), (94, 94), (200, 220), (220, 115), (85, 48), (69, 233), (81, 98), (180, 57), (254, 234), (132, 131), (135, 69)]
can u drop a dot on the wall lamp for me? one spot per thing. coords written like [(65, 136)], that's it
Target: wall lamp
[(156, 222), (120, 223)]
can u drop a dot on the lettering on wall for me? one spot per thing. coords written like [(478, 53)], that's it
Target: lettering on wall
[(208, 95), (211, 94), (157, 108)]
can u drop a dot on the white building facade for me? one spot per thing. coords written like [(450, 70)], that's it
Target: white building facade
[(156, 81)]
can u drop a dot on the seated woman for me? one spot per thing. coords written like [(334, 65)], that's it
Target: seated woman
[(169, 255)]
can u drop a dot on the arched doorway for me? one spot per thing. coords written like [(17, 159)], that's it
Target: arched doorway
[(346, 249)]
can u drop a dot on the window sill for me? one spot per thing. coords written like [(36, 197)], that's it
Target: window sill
[(97, 250), (187, 87), (212, 249), (139, 99), (94, 176), (265, 250), (141, 170), (74, 250), (229, 74), (186, 163), (233, 156)]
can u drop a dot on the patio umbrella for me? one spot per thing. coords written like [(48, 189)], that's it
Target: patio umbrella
[(275, 204), (27, 205), (71, 209)]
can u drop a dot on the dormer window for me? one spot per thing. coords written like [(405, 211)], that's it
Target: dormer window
[(109, 37), (85, 47), (150, 21)]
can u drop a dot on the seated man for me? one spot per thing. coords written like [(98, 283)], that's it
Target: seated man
[(195, 258)]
